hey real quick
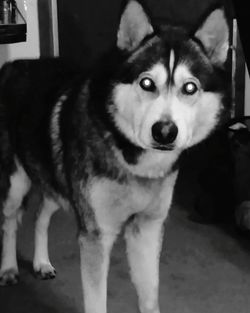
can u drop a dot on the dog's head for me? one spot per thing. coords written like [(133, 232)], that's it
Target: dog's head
[(169, 92)]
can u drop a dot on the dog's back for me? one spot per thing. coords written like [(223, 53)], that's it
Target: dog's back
[(29, 90)]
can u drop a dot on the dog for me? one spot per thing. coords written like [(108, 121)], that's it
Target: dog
[(107, 143)]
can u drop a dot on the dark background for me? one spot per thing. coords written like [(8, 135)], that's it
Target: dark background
[(242, 15), (87, 28)]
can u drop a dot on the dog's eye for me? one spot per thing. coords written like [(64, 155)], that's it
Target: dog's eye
[(189, 88), (147, 84)]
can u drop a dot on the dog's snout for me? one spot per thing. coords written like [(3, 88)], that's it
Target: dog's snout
[(164, 132)]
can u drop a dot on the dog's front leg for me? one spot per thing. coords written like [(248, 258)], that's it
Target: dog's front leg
[(144, 237), (95, 253)]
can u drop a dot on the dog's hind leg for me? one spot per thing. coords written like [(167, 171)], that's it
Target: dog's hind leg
[(19, 187), (41, 262), (95, 253), (144, 236)]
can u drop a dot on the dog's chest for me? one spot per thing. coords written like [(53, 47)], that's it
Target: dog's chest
[(114, 202), (113, 195)]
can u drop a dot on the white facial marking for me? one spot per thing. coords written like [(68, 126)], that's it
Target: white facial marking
[(171, 61), (136, 110), (206, 115), (182, 74), (159, 73), (195, 115)]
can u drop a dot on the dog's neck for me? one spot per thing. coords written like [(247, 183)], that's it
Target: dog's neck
[(151, 163)]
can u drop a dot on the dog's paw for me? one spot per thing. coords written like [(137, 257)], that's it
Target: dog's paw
[(9, 277), (45, 271)]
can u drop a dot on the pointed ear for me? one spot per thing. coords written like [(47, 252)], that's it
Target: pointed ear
[(134, 26), (214, 35)]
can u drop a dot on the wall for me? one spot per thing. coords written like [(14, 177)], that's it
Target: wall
[(48, 28), (87, 28), (30, 48)]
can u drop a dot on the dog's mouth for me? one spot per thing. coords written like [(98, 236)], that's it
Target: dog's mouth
[(169, 147)]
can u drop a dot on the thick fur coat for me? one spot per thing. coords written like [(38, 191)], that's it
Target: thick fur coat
[(107, 144)]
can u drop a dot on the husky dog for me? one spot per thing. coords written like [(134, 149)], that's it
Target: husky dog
[(107, 144)]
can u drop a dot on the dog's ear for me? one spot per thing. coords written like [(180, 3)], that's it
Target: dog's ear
[(214, 35), (134, 26)]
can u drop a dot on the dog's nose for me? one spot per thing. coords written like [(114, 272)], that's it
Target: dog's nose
[(164, 132)]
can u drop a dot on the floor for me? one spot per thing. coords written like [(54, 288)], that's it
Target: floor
[(204, 268)]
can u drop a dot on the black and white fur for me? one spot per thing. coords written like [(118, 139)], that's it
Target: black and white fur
[(107, 144)]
